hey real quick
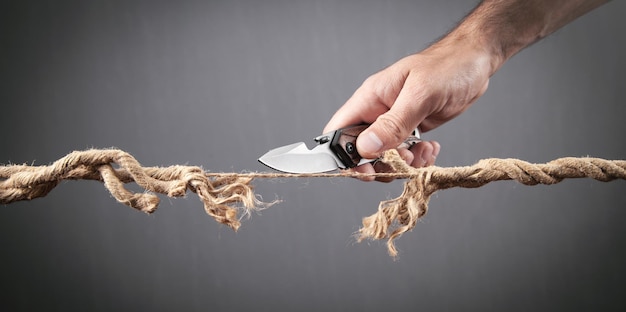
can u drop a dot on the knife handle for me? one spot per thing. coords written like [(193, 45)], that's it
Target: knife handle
[(343, 144)]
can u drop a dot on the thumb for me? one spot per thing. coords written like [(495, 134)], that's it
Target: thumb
[(388, 131)]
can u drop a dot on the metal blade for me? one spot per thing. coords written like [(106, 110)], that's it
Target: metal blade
[(297, 158)]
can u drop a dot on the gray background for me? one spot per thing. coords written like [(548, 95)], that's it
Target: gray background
[(219, 83)]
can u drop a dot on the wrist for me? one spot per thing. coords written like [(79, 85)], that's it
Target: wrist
[(477, 45), (500, 30), (503, 28), (473, 47)]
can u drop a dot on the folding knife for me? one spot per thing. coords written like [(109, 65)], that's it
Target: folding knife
[(334, 150)]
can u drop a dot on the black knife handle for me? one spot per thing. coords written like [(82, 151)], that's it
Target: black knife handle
[(343, 144)]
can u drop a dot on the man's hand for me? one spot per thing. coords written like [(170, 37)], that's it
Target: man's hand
[(427, 89)]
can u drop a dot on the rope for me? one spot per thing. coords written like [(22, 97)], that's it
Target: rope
[(226, 195)]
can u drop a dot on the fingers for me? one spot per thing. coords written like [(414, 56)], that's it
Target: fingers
[(363, 107), (422, 154), (345, 116), (391, 128), (365, 168), (405, 154), (425, 154)]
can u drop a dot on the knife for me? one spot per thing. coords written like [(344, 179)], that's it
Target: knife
[(333, 150)]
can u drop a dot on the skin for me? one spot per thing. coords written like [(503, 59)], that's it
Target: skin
[(427, 89)]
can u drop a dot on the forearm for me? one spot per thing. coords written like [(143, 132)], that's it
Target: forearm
[(501, 28)]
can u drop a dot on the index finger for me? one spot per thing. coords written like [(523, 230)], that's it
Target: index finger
[(360, 108)]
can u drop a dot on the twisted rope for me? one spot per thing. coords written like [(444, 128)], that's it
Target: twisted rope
[(226, 195), (220, 195), (397, 216)]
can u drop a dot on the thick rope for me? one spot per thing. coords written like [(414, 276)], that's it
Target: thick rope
[(397, 216), (225, 195)]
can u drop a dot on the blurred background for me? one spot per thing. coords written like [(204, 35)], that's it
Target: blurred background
[(218, 83)]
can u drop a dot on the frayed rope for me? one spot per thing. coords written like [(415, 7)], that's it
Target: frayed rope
[(226, 196)]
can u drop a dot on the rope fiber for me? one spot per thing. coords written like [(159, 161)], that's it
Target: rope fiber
[(226, 196)]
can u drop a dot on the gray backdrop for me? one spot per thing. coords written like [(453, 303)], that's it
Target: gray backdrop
[(219, 83)]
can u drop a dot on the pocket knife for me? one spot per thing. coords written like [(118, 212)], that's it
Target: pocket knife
[(334, 150)]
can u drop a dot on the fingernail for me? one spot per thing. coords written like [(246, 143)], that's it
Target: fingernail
[(423, 158), (436, 149), (427, 155), (370, 143)]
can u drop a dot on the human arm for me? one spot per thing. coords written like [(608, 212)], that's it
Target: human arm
[(429, 88)]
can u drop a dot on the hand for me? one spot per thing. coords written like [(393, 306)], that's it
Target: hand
[(429, 88), (422, 91)]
